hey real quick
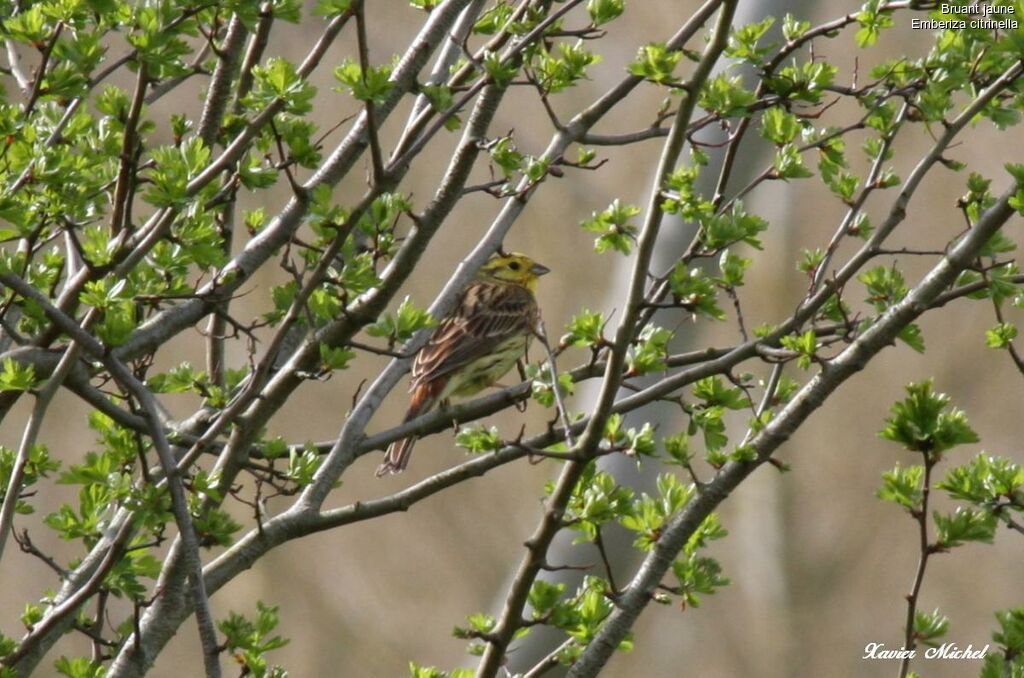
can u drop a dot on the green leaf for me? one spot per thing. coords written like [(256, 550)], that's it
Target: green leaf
[(984, 480), (416, 671), (38, 466), (803, 82), (726, 96), (872, 19), (694, 290), (733, 268), (17, 377), (374, 85), (1011, 631), (541, 389), (332, 8), (79, 667), (1001, 335), (885, 286), (779, 126), (249, 640), (494, 18), (544, 596), (587, 610), (1001, 283), (614, 227), (650, 352), (604, 11), (697, 576), (929, 627), (904, 486), (274, 448), (359, 274), (650, 513), (912, 337), (1016, 171), (441, 99), (677, 447), (804, 345), (743, 41), (335, 358), (597, 499), (302, 466), (478, 439), (713, 391), (506, 156), (499, 71), (921, 423), (810, 259), (793, 29), (215, 527), (585, 329), (400, 327), (278, 79), (964, 525), (729, 228), (789, 164), (478, 623), (640, 442), (29, 26), (656, 63), (557, 73), (180, 379), (537, 168), (174, 167), (861, 226)]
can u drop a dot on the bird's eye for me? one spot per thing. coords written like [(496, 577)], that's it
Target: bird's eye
[(514, 265)]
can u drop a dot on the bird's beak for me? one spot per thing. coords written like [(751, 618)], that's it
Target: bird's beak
[(539, 269)]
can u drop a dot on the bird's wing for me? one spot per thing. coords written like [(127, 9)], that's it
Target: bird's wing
[(487, 315)]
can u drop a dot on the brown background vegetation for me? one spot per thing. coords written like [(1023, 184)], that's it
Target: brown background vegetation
[(819, 566)]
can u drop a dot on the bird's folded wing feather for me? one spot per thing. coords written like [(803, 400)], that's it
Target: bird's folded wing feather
[(487, 316)]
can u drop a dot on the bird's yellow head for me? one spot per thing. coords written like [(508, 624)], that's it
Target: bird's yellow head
[(515, 268)]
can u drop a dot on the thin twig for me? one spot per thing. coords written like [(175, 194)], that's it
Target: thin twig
[(376, 158), (120, 215), (253, 54), (556, 388), (37, 82), (179, 503), (31, 432), (549, 662), (850, 361), (550, 523), (920, 515), (14, 60)]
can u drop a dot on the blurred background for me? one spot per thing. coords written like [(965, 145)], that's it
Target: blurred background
[(819, 566)]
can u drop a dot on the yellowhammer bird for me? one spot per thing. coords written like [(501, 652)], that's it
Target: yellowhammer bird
[(475, 345)]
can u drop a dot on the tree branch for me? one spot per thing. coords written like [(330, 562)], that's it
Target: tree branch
[(850, 361), (551, 522), (179, 503), (31, 432)]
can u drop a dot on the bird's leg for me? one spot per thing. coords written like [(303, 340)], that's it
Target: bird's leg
[(521, 366), (446, 405)]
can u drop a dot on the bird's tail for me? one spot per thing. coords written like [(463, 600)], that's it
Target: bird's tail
[(396, 458)]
